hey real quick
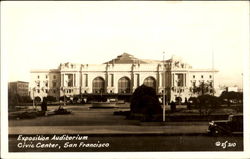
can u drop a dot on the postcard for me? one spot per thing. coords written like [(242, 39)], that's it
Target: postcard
[(125, 79)]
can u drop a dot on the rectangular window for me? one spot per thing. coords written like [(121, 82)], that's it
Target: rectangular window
[(46, 84), (38, 91), (180, 80), (86, 80), (210, 76), (54, 84), (38, 84), (38, 76), (54, 91), (201, 76), (112, 80), (46, 91), (193, 76), (54, 77), (46, 76), (194, 84), (69, 78)]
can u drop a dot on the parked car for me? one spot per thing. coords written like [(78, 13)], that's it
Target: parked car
[(234, 124)]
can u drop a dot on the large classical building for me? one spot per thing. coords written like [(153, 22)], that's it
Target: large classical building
[(121, 75)]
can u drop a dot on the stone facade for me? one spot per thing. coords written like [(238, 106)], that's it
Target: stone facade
[(120, 76)]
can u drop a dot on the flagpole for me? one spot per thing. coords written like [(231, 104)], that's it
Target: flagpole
[(164, 106)]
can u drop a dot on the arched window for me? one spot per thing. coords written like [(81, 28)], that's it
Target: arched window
[(98, 85), (150, 82), (124, 85)]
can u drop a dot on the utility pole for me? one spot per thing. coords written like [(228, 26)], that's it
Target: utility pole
[(213, 71), (33, 90), (163, 80), (64, 97)]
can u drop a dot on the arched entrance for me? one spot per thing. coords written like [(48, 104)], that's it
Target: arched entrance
[(98, 85), (124, 85), (150, 82)]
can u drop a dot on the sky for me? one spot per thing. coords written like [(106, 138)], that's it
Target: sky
[(41, 35)]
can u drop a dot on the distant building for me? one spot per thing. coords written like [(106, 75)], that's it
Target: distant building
[(19, 87), (121, 75), (232, 89)]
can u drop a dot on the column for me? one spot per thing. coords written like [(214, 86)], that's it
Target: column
[(77, 80), (185, 80), (138, 80), (82, 75), (109, 76), (173, 83), (74, 80), (135, 81), (160, 79), (132, 83), (62, 80)]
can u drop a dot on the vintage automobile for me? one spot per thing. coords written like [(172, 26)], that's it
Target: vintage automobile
[(233, 125)]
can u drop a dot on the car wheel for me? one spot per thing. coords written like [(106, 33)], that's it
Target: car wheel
[(215, 132)]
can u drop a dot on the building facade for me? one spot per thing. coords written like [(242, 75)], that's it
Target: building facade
[(19, 87), (121, 75)]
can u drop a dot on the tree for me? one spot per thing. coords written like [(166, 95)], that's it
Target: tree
[(230, 96), (37, 99), (203, 88), (12, 100), (26, 99), (178, 100), (209, 103), (144, 101), (193, 100)]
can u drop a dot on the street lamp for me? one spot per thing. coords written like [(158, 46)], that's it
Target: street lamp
[(63, 90), (33, 92), (164, 106), (64, 97)]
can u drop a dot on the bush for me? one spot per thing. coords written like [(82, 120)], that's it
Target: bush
[(62, 98), (51, 99), (178, 100), (193, 100), (12, 100), (37, 99), (26, 99), (209, 100), (232, 96)]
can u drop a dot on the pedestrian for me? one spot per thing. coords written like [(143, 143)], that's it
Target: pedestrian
[(44, 105), (188, 105), (172, 106), (186, 101)]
